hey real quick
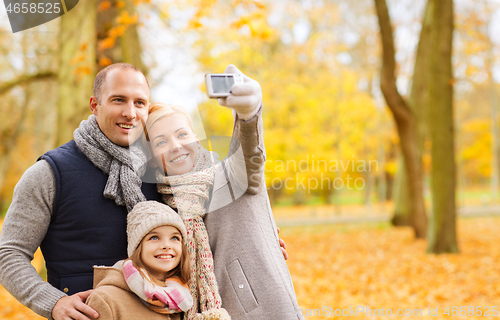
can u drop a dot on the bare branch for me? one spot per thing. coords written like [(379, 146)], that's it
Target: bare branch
[(388, 79), (25, 79)]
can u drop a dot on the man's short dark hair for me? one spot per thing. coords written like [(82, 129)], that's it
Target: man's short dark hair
[(101, 76)]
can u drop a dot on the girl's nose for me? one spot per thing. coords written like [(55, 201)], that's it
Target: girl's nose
[(166, 245)]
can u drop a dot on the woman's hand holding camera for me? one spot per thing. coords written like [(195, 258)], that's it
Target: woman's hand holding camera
[(245, 98)]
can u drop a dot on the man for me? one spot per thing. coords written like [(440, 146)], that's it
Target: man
[(59, 205), (73, 203)]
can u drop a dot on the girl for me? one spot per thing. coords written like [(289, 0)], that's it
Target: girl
[(151, 283)]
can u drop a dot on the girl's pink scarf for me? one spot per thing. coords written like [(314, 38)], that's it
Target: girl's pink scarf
[(172, 298)]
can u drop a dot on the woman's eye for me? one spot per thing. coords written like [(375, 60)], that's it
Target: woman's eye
[(160, 143), (183, 135)]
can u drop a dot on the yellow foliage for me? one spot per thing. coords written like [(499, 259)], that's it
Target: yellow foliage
[(120, 4), (106, 43), (84, 46), (103, 6), (125, 19), (79, 58), (194, 24), (117, 31), (104, 61)]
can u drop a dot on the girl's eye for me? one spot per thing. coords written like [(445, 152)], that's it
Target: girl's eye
[(176, 238), (154, 238)]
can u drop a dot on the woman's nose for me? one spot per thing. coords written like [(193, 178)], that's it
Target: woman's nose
[(175, 145)]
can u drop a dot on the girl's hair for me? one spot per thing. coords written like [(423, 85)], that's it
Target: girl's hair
[(161, 110), (182, 270)]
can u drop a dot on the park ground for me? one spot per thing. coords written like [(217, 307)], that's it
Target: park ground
[(372, 269)]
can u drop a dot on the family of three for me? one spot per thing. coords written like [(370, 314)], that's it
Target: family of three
[(137, 209)]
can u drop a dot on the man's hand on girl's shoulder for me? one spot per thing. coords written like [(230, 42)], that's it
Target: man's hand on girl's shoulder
[(74, 307)]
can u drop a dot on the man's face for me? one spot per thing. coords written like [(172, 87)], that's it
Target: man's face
[(123, 104)]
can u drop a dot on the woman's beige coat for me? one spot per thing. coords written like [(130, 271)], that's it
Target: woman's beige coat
[(113, 300), (252, 275)]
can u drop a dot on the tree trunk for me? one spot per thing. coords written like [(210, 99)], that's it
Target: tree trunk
[(381, 177), (419, 101), (401, 197), (127, 47), (405, 122), (77, 67), (442, 236), (130, 44), (495, 132)]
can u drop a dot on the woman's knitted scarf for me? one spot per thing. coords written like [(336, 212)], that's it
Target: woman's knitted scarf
[(124, 165), (174, 297), (189, 193)]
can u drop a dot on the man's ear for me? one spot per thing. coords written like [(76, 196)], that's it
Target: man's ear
[(93, 105)]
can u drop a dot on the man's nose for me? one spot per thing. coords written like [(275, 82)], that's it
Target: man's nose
[(129, 111)]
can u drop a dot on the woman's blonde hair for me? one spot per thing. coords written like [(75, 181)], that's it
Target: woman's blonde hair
[(182, 270), (161, 110)]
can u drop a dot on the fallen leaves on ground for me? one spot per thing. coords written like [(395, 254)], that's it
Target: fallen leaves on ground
[(340, 267), (337, 267)]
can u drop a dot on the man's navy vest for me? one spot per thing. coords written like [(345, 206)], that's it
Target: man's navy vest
[(86, 229)]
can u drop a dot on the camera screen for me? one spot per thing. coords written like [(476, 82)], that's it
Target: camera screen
[(222, 84)]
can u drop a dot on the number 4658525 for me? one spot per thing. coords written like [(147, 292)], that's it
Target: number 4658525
[(34, 8)]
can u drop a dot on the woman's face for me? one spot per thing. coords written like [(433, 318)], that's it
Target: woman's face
[(174, 145)]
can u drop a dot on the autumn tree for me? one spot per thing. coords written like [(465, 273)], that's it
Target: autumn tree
[(318, 122), (418, 103), (77, 55), (405, 122), (442, 230)]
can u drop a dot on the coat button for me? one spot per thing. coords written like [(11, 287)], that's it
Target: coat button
[(65, 290), (241, 286)]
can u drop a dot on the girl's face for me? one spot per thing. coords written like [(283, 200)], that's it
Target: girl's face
[(161, 251), (174, 145)]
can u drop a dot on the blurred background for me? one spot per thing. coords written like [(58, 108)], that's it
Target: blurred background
[(376, 114)]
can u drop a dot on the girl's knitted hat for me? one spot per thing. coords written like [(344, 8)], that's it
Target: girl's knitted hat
[(147, 215)]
